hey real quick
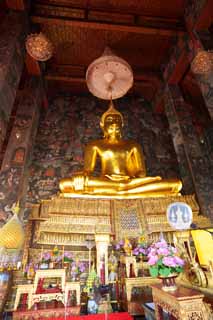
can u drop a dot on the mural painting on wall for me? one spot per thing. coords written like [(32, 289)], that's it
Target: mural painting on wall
[(12, 38), (3, 126), (71, 122), (9, 181), (178, 140), (18, 156)]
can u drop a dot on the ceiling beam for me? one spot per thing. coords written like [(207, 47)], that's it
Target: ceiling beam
[(79, 71), (18, 4), (106, 26), (114, 17), (54, 77), (66, 78)]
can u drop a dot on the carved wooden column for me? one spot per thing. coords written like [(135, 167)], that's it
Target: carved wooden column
[(102, 241), (180, 119)]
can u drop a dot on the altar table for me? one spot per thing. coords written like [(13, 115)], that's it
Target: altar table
[(182, 304)]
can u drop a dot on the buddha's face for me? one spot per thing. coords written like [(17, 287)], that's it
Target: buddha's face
[(112, 126)]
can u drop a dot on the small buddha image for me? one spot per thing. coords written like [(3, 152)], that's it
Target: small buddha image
[(127, 247), (173, 216), (113, 266)]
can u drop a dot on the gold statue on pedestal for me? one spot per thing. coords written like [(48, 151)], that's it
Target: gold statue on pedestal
[(123, 172)]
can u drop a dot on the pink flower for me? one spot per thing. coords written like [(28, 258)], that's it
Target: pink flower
[(179, 261), (160, 244), (152, 260), (152, 252), (163, 251), (169, 261)]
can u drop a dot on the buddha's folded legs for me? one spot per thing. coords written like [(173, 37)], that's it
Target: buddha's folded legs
[(165, 186), (103, 185)]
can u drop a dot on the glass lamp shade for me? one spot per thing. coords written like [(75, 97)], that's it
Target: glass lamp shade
[(203, 62), (89, 243), (39, 47)]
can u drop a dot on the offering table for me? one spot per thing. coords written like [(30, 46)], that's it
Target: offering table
[(130, 283), (182, 304)]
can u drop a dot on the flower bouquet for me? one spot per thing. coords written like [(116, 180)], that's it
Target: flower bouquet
[(142, 247), (45, 260), (165, 263), (119, 245), (76, 269), (68, 257)]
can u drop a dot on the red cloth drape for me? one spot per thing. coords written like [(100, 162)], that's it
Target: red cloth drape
[(111, 316)]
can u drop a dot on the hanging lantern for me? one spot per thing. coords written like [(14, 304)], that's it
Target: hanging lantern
[(39, 47), (203, 62), (109, 76)]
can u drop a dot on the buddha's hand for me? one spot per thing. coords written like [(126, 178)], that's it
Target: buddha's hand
[(79, 182)]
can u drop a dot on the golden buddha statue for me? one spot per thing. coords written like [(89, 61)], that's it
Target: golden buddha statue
[(123, 172)]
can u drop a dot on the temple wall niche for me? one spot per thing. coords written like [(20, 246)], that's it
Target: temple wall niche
[(70, 122)]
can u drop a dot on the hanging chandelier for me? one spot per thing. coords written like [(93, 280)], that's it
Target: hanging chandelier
[(39, 47), (203, 62)]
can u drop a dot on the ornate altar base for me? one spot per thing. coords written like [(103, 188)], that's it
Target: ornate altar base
[(71, 314), (111, 316), (53, 313), (69, 222)]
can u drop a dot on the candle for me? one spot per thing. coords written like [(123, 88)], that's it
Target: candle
[(63, 255), (41, 253)]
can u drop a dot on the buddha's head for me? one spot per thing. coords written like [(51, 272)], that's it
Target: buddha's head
[(111, 122)]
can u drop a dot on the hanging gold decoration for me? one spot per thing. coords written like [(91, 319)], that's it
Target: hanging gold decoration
[(202, 62), (39, 47)]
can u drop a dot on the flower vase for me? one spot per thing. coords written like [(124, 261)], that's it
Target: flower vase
[(168, 283), (44, 265)]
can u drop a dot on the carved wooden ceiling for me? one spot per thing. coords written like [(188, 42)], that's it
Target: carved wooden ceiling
[(142, 32)]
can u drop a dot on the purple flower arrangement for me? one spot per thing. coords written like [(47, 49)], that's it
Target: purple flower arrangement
[(68, 257), (77, 268), (164, 259), (119, 246), (46, 257), (140, 251)]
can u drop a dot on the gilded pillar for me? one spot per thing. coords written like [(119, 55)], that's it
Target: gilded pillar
[(102, 242)]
